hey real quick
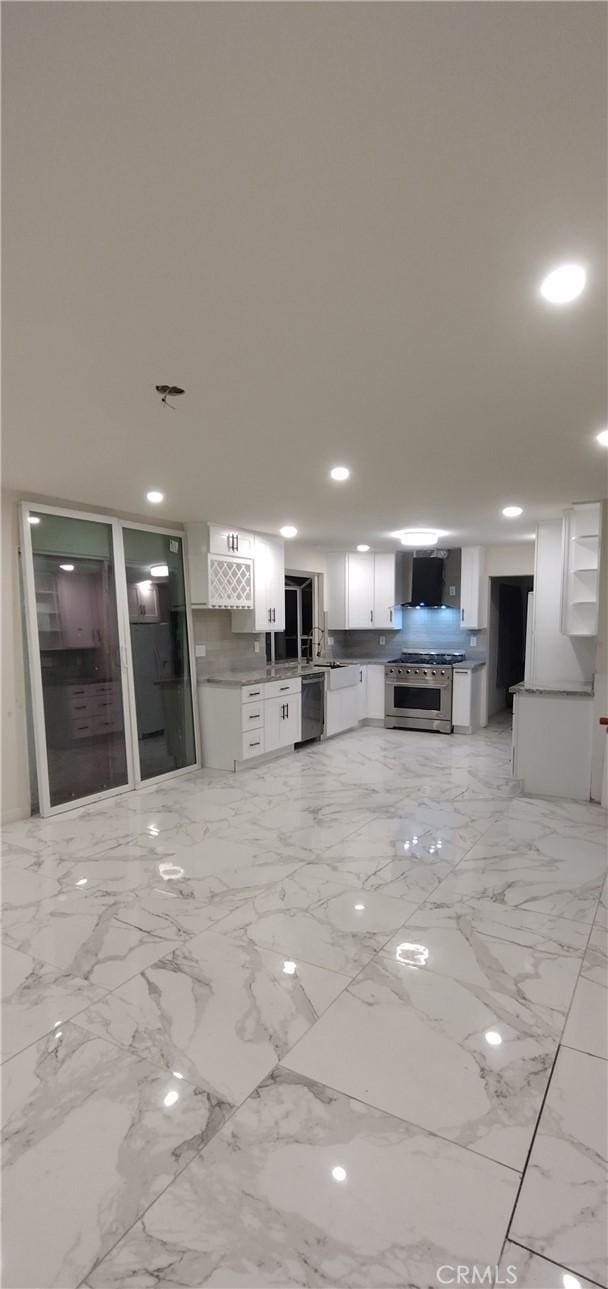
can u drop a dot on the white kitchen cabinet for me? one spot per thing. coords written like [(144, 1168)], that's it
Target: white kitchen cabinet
[(362, 694), (473, 589), (335, 591), (216, 581), (341, 709), (282, 721), (375, 692), (582, 529), (466, 699), (268, 612), (386, 612), (360, 592), (552, 738), (78, 602), (242, 722), (224, 540)]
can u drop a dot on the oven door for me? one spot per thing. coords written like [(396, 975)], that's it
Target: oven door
[(418, 702)]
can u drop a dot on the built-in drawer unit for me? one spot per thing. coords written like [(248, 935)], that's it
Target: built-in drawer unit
[(279, 688), (252, 716), (252, 744), (249, 692)]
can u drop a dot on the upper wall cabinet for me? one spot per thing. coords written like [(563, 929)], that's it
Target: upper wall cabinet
[(473, 589), (220, 577), (268, 612), (361, 592), (581, 536)]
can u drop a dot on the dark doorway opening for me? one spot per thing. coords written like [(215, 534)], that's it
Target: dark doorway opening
[(507, 638)]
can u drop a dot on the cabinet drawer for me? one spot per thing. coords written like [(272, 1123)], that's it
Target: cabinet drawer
[(279, 688), (81, 706), (84, 728), (250, 692), (252, 744), (252, 716)]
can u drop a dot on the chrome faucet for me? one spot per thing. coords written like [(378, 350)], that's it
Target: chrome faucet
[(320, 642)]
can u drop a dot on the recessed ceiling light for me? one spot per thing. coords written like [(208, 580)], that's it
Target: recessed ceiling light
[(33, 519), (363, 547), (67, 568), (288, 530), (340, 473), (602, 438), (155, 497), (417, 537), (159, 570), (338, 1173), (564, 283), (512, 512)]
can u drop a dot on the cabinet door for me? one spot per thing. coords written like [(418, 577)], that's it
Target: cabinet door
[(273, 719), (473, 596), (461, 697), (78, 610), (335, 592), (360, 588), (375, 692), (275, 584), (225, 540), (290, 728), (386, 612)]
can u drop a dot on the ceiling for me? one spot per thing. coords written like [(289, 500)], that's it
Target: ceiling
[(328, 224)]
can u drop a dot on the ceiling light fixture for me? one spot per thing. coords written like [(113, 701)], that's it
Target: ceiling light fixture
[(33, 519), (362, 547), (417, 537), (602, 439), (288, 530), (67, 568), (338, 1173), (155, 497), (159, 570), (564, 283), (340, 473), (512, 512)]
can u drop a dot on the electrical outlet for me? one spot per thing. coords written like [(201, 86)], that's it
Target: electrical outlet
[(382, 640), (452, 591), (201, 650), (256, 646), (472, 641)]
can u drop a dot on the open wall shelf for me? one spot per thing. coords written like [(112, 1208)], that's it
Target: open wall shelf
[(580, 579)]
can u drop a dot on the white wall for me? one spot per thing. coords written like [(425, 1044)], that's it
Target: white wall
[(15, 770), (600, 697), (512, 559)]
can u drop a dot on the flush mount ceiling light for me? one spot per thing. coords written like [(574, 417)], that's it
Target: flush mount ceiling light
[(602, 438), (155, 497), (288, 530), (35, 519), (563, 284), (339, 473), (362, 547), (417, 537), (159, 570), (67, 568), (512, 512)]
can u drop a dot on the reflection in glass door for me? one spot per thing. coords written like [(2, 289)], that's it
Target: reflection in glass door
[(81, 741), (158, 624)]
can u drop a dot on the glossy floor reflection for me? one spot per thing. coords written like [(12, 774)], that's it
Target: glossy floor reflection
[(309, 1025)]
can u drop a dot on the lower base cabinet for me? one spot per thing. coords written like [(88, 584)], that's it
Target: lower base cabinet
[(341, 709), (240, 723), (282, 721), (467, 700)]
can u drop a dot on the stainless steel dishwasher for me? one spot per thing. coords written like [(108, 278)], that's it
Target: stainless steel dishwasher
[(313, 707)]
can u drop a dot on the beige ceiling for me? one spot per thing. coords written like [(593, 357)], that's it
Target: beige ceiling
[(328, 223)]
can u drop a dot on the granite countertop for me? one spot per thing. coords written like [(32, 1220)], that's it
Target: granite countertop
[(575, 689), (259, 676)]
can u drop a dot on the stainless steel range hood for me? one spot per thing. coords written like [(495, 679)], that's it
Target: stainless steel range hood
[(430, 578)]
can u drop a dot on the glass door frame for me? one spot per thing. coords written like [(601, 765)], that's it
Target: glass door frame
[(123, 612), (134, 779)]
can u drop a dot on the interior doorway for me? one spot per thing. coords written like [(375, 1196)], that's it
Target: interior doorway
[(507, 625)]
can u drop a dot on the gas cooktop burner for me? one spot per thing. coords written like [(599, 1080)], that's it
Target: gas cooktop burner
[(426, 657)]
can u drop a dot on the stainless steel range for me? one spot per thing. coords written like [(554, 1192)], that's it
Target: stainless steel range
[(418, 691)]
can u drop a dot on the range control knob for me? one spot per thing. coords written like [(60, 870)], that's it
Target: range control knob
[(416, 671), (433, 673), (443, 673)]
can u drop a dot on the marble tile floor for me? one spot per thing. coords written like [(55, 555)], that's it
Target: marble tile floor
[(336, 1021)]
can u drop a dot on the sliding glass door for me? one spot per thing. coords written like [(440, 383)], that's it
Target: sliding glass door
[(160, 654), (109, 653), (75, 660)]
